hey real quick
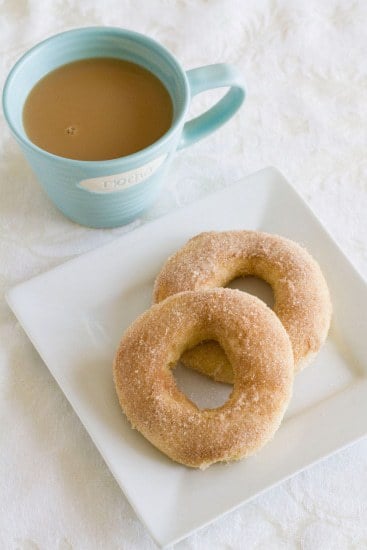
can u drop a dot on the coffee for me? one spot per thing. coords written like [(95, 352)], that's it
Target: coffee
[(97, 109)]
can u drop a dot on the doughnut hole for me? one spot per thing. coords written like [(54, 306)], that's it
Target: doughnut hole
[(205, 392), (255, 286), (203, 357)]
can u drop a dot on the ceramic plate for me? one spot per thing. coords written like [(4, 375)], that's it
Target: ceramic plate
[(75, 315)]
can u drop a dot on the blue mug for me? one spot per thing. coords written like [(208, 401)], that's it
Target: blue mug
[(111, 193)]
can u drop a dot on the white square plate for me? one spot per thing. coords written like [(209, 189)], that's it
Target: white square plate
[(75, 315)]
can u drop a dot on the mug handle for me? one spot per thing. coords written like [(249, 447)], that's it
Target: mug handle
[(206, 78)]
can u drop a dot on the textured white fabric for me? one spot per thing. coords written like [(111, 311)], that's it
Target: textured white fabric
[(305, 65)]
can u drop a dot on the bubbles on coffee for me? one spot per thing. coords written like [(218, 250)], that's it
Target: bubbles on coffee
[(71, 130)]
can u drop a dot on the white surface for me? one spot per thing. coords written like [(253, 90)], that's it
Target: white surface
[(305, 68), (76, 314)]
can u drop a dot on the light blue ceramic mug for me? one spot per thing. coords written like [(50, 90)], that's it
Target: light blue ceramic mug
[(110, 193)]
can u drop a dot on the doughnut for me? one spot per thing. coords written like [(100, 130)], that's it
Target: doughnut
[(213, 259), (259, 350)]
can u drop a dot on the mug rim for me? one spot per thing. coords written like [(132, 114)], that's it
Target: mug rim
[(147, 151)]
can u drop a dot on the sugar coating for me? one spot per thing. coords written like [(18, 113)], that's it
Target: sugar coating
[(260, 353), (213, 259)]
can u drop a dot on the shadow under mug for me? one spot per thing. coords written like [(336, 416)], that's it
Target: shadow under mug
[(113, 192)]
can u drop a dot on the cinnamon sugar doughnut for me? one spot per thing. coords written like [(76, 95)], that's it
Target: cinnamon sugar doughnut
[(259, 350), (213, 259)]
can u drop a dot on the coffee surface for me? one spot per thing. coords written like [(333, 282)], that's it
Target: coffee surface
[(97, 109)]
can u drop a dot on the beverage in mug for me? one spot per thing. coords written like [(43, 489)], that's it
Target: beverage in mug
[(97, 109), (99, 113)]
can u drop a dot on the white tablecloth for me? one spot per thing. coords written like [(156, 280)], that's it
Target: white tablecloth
[(305, 65)]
